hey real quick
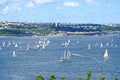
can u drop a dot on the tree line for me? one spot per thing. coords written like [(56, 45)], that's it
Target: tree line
[(88, 77)]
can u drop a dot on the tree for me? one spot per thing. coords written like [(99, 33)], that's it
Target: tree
[(52, 77), (40, 77), (102, 78), (64, 78), (79, 78), (89, 74), (115, 78)]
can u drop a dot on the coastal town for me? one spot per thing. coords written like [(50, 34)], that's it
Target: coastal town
[(57, 29)]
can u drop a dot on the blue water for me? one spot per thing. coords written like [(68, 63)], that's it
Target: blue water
[(28, 64)]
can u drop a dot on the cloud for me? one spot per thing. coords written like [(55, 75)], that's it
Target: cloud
[(35, 3), (91, 2), (71, 4), (43, 1), (30, 4), (109, 6), (16, 8), (2, 2), (10, 9), (5, 10), (15, 0), (11, 6), (58, 8)]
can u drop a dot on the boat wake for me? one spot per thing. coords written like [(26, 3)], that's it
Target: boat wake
[(94, 58), (79, 55)]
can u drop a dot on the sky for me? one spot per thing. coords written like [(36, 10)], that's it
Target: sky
[(63, 11)]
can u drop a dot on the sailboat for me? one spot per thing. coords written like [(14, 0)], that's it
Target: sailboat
[(28, 48), (89, 46), (0, 48), (14, 54), (3, 44), (101, 45), (66, 56), (16, 45), (106, 56), (9, 44)]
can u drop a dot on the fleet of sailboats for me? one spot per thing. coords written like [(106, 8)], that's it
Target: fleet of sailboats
[(66, 56), (65, 44)]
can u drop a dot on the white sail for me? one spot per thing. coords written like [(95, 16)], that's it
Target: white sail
[(3, 44), (68, 42), (89, 46), (28, 47), (106, 56), (0, 48), (16, 45), (101, 45), (14, 54), (9, 44), (107, 44), (66, 56)]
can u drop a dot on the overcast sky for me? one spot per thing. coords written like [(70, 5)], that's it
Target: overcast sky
[(70, 11)]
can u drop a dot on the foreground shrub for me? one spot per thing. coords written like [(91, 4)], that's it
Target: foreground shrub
[(88, 77), (52, 77), (64, 78), (39, 77)]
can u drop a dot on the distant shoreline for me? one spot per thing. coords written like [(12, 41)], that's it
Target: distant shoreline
[(56, 36), (62, 33), (7, 36)]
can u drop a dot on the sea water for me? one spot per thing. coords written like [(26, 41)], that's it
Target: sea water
[(46, 61)]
